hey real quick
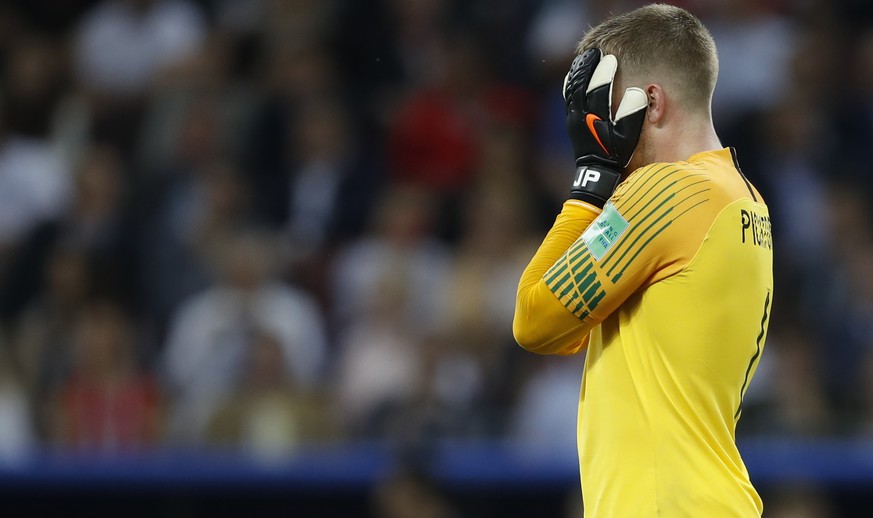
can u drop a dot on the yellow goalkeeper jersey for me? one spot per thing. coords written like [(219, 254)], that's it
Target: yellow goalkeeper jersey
[(670, 288)]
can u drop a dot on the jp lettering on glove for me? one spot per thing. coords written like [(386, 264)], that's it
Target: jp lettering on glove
[(602, 145)]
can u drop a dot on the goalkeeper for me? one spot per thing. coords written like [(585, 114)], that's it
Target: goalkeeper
[(660, 266)]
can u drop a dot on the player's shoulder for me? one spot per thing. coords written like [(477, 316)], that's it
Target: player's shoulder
[(658, 170), (663, 186)]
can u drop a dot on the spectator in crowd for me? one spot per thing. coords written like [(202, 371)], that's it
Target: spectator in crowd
[(399, 250), (380, 357), (269, 416), (294, 73), (540, 420), (192, 201), (476, 316), (329, 192), (321, 190), (840, 301), (863, 424), (793, 400), (326, 192), (196, 219), (853, 123), (211, 331), (43, 337), (120, 49), (107, 405), (122, 46), (35, 176), (18, 439), (755, 42), (97, 222), (432, 140)]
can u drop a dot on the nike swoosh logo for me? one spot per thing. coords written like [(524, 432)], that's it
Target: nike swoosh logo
[(590, 119)]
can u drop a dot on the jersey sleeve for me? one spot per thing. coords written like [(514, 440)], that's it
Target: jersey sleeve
[(649, 230)]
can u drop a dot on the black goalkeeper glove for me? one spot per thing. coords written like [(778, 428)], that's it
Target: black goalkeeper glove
[(603, 146)]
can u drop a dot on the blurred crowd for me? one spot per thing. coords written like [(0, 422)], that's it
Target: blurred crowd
[(263, 224)]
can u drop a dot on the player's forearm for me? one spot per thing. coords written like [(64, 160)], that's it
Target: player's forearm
[(541, 323)]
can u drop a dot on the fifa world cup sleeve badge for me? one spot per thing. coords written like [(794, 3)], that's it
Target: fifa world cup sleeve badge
[(604, 231)]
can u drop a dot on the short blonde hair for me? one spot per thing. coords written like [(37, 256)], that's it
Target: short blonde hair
[(663, 42)]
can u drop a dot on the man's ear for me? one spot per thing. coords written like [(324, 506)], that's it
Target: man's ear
[(655, 113)]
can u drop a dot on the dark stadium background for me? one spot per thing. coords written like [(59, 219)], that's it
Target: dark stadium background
[(258, 257)]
